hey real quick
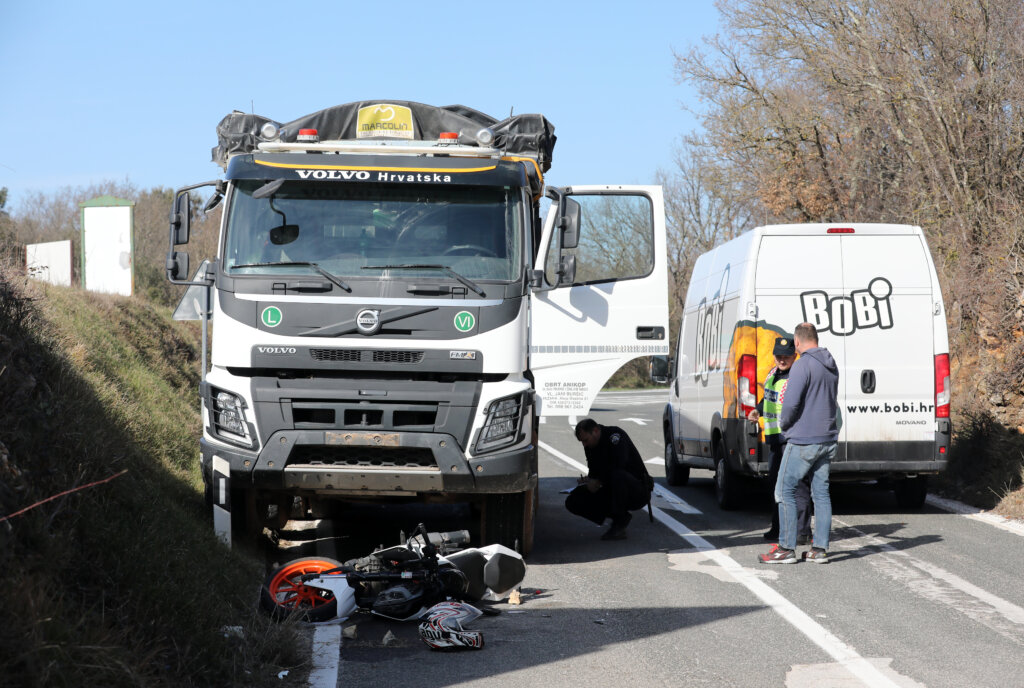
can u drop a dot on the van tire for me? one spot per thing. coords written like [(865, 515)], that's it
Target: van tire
[(727, 485), (676, 474), (911, 492)]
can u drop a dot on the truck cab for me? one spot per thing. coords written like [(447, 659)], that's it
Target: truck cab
[(392, 317)]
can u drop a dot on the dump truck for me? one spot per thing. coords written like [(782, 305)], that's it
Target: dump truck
[(391, 319)]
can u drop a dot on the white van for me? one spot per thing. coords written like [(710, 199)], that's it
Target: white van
[(872, 292)]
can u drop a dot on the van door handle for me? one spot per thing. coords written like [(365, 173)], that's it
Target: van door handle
[(867, 381), (645, 332)]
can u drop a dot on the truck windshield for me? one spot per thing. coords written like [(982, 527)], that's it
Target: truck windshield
[(356, 230)]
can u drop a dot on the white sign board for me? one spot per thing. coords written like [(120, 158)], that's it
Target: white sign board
[(107, 249), (49, 262)]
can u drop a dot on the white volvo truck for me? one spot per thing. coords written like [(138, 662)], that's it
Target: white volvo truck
[(392, 317)]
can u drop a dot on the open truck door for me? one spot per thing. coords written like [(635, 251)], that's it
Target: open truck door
[(600, 292)]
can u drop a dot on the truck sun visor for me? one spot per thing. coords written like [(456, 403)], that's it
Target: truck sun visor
[(528, 135)]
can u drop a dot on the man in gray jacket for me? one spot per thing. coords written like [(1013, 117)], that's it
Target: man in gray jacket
[(808, 422)]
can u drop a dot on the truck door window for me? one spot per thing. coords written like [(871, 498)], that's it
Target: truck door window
[(616, 239)]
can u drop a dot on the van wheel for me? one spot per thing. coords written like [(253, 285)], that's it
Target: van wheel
[(911, 492), (676, 474), (726, 482)]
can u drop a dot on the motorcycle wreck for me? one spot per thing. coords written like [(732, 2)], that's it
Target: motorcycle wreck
[(431, 578)]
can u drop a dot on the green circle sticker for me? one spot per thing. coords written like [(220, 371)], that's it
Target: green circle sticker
[(271, 316), (464, 321)]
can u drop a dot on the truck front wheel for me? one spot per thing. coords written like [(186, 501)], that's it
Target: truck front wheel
[(508, 519)]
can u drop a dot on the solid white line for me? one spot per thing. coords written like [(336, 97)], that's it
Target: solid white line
[(973, 512), (846, 655), (326, 656)]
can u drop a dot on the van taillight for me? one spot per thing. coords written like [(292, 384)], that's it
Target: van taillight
[(746, 384), (839, 230), (942, 386)]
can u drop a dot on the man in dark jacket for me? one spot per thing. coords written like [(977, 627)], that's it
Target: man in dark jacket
[(617, 481), (808, 420)]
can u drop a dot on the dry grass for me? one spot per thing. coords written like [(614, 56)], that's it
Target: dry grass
[(123, 583)]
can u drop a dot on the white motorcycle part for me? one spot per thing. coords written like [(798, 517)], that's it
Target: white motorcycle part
[(342, 590)]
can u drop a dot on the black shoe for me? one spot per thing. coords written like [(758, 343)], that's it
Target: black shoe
[(618, 529), (615, 533), (771, 535)]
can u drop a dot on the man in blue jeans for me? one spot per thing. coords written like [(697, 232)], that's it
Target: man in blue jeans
[(808, 422)]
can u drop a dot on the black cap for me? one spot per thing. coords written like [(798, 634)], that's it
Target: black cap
[(784, 347)]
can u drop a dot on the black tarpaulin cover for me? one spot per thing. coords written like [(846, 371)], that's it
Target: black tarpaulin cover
[(527, 135)]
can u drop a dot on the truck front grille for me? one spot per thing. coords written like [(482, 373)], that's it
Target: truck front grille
[(367, 355), (363, 457)]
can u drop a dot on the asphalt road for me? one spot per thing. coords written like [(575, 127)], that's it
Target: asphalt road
[(911, 598)]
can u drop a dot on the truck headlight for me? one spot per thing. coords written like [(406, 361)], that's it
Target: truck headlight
[(227, 409), (504, 418), (227, 418)]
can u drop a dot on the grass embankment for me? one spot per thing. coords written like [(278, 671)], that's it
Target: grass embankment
[(121, 583)]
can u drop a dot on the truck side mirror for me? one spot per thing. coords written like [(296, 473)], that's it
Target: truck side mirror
[(181, 216), (660, 369), (177, 265), (566, 269), (570, 223)]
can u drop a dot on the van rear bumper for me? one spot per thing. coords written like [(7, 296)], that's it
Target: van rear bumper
[(874, 468)]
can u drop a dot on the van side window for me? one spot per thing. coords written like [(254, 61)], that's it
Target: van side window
[(616, 239)]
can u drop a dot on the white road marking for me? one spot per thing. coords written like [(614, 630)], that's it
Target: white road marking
[(657, 461), (833, 675), (326, 656), (973, 512), (938, 585), (638, 421), (697, 561), (846, 655)]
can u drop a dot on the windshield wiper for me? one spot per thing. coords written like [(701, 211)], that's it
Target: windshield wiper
[(407, 266), (296, 263)]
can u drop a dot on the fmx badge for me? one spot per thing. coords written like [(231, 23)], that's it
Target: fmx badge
[(271, 316), (384, 120), (464, 321)]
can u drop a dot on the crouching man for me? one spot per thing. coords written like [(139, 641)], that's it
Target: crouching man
[(617, 481)]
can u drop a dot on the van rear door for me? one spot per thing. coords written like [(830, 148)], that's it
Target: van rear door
[(798, 264), (886, 323)]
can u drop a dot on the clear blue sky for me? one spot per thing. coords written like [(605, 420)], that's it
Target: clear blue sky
[(133, 90)]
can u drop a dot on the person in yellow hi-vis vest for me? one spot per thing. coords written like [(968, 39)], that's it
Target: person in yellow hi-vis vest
[(769, 408)]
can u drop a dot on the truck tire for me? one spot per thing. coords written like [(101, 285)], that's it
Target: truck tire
[(911, 492), (727, 487), (676, 474), (508, 519)]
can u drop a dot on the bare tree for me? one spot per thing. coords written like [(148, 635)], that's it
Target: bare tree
[(882, 110)]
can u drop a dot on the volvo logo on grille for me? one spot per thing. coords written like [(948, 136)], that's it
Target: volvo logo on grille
[(368, 321)]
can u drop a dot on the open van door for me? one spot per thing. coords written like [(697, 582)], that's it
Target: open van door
[(600, 292)]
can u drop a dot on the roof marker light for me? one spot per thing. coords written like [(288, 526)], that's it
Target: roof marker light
[(269, 131), (485, 137), (448, 137), (839, 230), (308, 136)]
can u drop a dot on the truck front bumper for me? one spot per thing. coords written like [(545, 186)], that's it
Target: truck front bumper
[(350, 463)]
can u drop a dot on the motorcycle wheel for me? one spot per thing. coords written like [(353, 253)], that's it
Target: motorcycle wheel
[(283, 593)]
